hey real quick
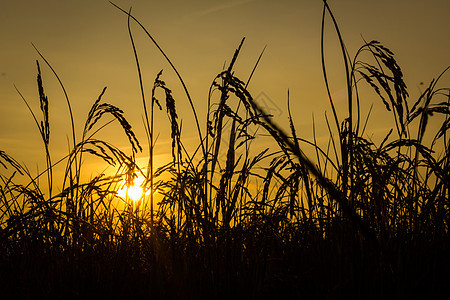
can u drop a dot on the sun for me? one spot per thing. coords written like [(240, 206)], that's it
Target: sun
[(135, 191)]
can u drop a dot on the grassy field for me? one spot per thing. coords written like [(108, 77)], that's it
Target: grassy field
[(356, 220)]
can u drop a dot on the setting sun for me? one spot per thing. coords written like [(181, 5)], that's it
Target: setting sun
[(134, 191)]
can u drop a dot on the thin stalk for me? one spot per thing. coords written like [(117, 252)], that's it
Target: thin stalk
[(70, 115), (148, 127), (176, 72)]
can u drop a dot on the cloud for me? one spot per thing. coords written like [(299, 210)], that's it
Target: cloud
[(220, 7)]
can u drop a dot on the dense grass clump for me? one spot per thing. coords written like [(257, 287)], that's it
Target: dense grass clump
[(359, 220)]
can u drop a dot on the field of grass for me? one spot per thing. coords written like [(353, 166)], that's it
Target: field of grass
[(357, 220)]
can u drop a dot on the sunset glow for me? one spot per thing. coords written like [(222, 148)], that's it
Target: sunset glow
[(224, 149)]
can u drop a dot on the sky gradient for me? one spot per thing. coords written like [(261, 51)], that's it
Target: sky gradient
[(88, 45)]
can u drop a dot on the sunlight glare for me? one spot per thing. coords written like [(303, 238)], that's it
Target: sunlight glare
[(134, 191)]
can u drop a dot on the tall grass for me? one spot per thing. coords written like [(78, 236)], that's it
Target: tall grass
[(360, 220)]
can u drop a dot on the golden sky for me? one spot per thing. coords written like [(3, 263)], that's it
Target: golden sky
[(87, 43)]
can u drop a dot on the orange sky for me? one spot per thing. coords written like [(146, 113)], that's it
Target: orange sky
[(87, 43)]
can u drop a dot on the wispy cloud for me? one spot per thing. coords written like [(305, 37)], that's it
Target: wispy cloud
[(220, 7)]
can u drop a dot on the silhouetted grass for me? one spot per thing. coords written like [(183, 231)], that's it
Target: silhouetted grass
[(361, 220)]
